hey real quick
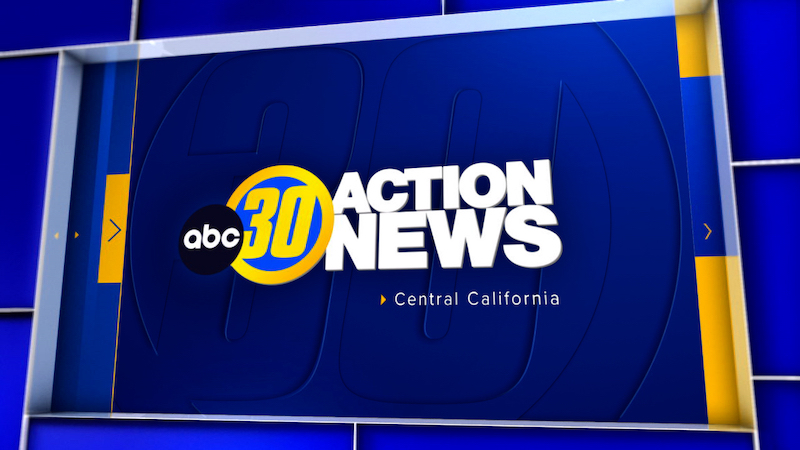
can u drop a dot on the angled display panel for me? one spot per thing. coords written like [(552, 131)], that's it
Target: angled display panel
[(493, 217)]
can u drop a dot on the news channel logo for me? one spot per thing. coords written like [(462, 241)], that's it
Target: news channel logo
[(289, 213)]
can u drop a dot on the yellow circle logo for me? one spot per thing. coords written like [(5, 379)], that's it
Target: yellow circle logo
[(287, 215)]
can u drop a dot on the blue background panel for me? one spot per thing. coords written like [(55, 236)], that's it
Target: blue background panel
[(778, 406), (68, 434), (435, 438), (760, 49), (15, 333), (26, 95), (656, 375), (769, 214), (165, 18), (36, 24), (462, 6)]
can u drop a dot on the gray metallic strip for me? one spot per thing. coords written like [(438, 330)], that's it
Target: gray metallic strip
[(15, 310), (366, 31), (393, 421), (134, 20), (52, 247), (767, 162), (358, 31), (776, 378)]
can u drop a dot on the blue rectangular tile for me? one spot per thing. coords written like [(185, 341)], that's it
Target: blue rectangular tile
[(164, 18), (67, 434), (390, 437), (761, 54), (462, 6), (26, 101), (778, 409), (15, 333), (37, 24), (769, 213)]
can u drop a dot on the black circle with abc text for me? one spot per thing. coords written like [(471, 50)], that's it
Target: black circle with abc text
[(214, 239)]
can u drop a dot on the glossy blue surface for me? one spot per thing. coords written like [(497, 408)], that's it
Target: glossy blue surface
[(164, 18), (15, 331), (778, 407), (36, 24), (762, 74), (769, 215), (26, 99), (81, 434), (437, 438)]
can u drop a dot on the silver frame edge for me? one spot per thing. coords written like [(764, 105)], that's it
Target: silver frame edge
[(52, 250)]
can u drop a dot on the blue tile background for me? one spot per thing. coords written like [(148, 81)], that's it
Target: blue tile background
[(761, 55), (36, 24), (27, 86), (778, 406), (15, 331), (435, 438), (462, 6), (760, 45), (164, 18), (80, 434), (769, 217)]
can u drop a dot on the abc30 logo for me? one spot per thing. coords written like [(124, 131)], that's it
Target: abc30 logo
[(273, 230)]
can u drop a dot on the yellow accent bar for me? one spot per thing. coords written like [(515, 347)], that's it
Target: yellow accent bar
[(719, 362), (115, 214), (692, 57), (699, 51)]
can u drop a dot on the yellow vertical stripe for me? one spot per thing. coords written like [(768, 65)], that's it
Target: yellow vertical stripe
[(719, 360), (692, 57), (115, 219)]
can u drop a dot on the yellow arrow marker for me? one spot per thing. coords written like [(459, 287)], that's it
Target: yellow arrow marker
[(709, 231), (76, 235), (115, 218), (56, 236), (383, 299)]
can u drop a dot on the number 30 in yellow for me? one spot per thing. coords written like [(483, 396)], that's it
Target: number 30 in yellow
[(291, 233)]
